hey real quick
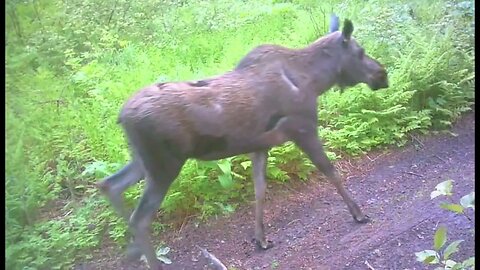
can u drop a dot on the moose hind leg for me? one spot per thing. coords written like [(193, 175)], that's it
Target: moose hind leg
[(161, 167), (158, 180), (310, 144), (259, 161), (141, 220)]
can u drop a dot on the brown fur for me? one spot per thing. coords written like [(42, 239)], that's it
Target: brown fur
[(268, 99), (230, 106)]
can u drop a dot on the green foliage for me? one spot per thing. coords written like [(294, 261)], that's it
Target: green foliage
[(274, 265), (444, 188), (440, 255), (161, 255), (431, 78), (71, 65), (41, 245)]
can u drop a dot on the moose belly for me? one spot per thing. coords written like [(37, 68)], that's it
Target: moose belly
[(213, 148)]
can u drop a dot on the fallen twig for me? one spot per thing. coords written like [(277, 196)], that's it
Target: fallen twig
[(381, 155), (413, 137), (295, 220), (185, 220), (440, 158), (416, 174), (369, 266), (212, 260), (291, 189)]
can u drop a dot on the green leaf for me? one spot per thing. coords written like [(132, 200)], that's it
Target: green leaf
[(450, 249), (208, 163), (456, 208), (457, 266), (225, 166), (440, 238), (331, 155), (470, 262), (435, 194), (163, 251), (430, 259), (427, 256), (450, 263), (468, 201), (226, 208), (164, 259), (226, 180), (246, 164), (443, 188), (238, 175), (229, 208)]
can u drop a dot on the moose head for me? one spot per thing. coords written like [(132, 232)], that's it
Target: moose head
[(354, 66)]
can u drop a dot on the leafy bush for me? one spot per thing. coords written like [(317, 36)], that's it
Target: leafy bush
[(441, 255), (54, 243)]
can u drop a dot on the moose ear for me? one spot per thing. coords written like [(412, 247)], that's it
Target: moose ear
[(347, 29), (334, 23)]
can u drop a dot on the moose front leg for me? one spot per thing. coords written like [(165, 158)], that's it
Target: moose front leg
[(259, 164), (308, 141), (282, 132)]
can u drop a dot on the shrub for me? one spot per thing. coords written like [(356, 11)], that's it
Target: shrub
[(441, 255)]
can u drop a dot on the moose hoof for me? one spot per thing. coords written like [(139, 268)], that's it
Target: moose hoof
[(362, 219), (133, 252), (264, 245)]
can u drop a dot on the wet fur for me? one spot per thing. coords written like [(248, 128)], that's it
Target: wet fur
[(269, 98)]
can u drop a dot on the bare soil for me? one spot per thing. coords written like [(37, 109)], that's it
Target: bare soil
[(311, 227)]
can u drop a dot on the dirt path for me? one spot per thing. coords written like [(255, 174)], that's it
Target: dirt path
[(312, 229)]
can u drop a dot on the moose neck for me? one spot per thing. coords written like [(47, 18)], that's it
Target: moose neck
[(319, 64)]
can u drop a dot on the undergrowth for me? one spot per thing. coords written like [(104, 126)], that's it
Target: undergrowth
[(441, 255), (72, 64)]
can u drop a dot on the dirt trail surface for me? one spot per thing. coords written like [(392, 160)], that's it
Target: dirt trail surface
[(311, 228)]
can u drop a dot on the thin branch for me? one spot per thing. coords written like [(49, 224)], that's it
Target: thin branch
[(372, 160), (185, 220), (469, 219), (369, 266), (416, 174), (212, 260), (111, 13), (37, 13), (16, 24), (295, 220), (440, 158), (417, 140)]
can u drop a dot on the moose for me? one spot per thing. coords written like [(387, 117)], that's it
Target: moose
[(268, 99)]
